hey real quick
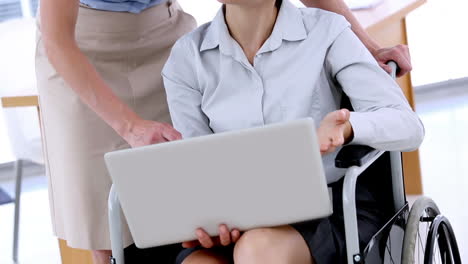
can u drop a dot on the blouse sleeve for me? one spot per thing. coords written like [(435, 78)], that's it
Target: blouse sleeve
[(183, 94), (383, 119)]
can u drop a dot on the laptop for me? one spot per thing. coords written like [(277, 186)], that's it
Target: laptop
[(258, 177)]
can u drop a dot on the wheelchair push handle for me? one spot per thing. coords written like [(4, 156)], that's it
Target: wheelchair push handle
[(394, 67)]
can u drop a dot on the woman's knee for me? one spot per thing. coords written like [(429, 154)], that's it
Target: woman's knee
[(255, 246), (272, 245)]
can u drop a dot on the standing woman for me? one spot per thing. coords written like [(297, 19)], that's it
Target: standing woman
[(98, 68)]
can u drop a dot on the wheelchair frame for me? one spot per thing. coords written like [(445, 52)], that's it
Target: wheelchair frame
[(356, 159), (349, 207), (349, 204)]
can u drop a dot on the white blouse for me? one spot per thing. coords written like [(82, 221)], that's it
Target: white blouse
[(311, 58)]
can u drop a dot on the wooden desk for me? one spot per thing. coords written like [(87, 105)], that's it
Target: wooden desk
[(386, 23), (20, 101)]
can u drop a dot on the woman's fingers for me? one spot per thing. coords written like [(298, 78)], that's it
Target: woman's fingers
[(170, 134), (145, 132), (400, 54), (338, 141), (347, 113), (157, 138), (384, 66), (204, 239), (190, 244), (342, 115), (225, 238), (224, 235), (337, 137), (331, 142), (325, 145), (235, 235), (331, 132)]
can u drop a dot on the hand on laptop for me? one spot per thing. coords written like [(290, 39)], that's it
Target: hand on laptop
[(225, 238), (146, 132), (334, 131)]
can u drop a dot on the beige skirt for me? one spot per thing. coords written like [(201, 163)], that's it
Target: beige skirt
[(129, 51)]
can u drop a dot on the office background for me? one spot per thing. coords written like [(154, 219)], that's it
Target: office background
[(440, 80)]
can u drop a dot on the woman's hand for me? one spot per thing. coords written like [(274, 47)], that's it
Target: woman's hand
[(334, 131), (142, 132), (58, 20), (225, 238), (400, 54)]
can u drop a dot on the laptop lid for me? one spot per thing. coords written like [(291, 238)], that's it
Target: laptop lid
[(257, 177)]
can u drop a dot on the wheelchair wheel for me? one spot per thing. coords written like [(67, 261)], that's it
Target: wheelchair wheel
[(428, 236)]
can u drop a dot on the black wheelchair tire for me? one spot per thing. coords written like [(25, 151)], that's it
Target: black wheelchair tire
[(442, 232)]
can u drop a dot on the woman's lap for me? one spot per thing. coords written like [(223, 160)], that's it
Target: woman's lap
[(255, 247), (325, 237)]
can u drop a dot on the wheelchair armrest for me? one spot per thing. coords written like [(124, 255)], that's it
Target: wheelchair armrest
[(351, 155)]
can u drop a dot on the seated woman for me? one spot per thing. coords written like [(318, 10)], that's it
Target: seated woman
[(265, 61)]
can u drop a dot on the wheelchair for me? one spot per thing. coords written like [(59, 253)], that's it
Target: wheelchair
[(420, 235)]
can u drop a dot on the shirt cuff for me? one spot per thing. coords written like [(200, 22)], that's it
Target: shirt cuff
[(362, 129)]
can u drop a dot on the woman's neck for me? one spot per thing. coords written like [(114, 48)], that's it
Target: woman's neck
[(250, 25)]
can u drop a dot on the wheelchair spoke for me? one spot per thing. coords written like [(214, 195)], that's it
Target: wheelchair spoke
[(420, 242), (389, 250), (437, 254), (422, 234)]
